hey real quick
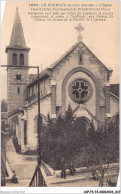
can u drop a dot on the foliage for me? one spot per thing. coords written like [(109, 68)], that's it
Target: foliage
[(104, 149), (67, 137), (104, 146)]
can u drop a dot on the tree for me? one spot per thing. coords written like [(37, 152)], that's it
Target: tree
[(67, 137), (69, 115), (63, 138), (104, 143), (48, 120)]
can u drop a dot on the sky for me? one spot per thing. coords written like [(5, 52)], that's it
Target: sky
[(50, 40)]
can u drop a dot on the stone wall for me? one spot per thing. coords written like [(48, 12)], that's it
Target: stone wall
[(16, 99), (90, 68), (32, 113)]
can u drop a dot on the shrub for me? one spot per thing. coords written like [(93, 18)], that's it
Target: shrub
[(67, 137)]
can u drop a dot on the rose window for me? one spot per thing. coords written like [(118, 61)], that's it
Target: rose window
[(80, 90)]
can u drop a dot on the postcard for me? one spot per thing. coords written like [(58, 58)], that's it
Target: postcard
[(60, 97)]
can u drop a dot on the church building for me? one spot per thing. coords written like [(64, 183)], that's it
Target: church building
[(78, 78)]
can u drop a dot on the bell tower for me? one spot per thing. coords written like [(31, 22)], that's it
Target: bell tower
[(17, 55)]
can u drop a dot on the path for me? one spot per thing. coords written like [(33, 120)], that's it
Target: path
[(24, 165)]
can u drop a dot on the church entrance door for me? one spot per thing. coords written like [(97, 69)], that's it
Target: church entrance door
[(83, 122)]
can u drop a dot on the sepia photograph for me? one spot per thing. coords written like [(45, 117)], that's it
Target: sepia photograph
[(60, 94)]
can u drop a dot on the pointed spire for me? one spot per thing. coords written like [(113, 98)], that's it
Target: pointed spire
[(17, 37), (17, 40)]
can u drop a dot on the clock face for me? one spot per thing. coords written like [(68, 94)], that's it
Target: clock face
[(18, 77)]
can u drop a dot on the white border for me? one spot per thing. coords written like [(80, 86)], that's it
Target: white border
[(56, 189)]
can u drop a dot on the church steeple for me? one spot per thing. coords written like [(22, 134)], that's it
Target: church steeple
[(17, 37), (17, 55)]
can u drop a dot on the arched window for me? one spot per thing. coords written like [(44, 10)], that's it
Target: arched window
[(14, 59), (21, 59), (18, 90), (80, 59), (36, 122)]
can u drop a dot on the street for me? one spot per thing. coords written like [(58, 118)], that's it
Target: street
[(24, 165)]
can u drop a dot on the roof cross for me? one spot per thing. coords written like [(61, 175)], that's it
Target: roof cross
[(79, 28)]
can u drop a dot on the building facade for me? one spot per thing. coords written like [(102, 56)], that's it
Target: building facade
[(78, 78)]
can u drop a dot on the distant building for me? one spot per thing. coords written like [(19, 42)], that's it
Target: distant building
[(3, 158), (77, 78), (4, 124), (4, 115), (3, 105)]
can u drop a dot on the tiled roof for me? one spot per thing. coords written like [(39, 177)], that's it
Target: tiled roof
[(114, 89), (44, 73), (32, 77)]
